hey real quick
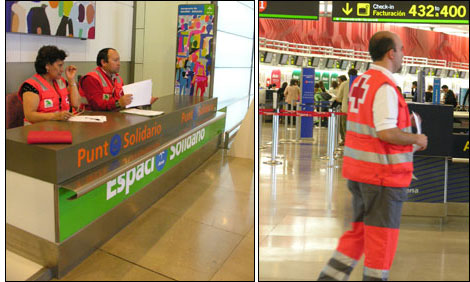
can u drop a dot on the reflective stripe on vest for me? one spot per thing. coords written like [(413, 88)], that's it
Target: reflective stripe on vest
[(385, 159), (103, 81), (40, 83), (61, 84), (367, 130)]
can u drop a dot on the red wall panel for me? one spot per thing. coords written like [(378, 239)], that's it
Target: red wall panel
[(345, 35)]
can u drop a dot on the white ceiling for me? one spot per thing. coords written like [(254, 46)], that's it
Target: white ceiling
[(454, 29)]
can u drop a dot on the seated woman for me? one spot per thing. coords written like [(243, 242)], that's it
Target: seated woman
[(46, 95)]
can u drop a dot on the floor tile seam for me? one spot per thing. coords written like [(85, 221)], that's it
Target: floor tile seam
[(138, 265), (221, 229), (181, 216), (228, 257)]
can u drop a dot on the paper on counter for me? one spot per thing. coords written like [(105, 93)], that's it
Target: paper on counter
[(88, 119), (141, 93), (142, 112)]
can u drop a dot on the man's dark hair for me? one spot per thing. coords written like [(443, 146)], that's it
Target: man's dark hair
[(343, 77), (48, 55), (415, 83), (380, 44), (103, 55), (445, 87), (352, 72)]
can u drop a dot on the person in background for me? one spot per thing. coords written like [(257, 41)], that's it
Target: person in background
[(399, 90), (414, 91), (102, 87), (322, 86), (428, 94), (342, 78), (47, 95), (378, 163), (292, 94), (449, 98), (280, 93), (343, 93), (465, 98), (334, 89)]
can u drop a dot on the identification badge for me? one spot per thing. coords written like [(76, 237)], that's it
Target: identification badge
[(106, 97), (48, 103)]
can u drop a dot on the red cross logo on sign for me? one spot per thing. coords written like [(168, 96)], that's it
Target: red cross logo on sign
[(358, 93)]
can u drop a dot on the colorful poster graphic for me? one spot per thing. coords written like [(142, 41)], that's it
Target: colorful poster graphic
[(194, 54), (57, 18)]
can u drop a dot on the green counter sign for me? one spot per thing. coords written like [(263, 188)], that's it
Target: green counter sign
[(76, 214), (437, 12), (295, 10)]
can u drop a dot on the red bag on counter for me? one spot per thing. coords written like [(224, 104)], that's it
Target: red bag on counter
[(49, 137)]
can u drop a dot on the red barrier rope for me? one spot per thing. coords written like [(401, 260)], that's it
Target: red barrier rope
[(270, 112)]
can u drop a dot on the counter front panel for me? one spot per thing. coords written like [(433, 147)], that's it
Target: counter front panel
[(77, 211)]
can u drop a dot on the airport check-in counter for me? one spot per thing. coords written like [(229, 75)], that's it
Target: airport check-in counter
[(65, 200), (440, 186)]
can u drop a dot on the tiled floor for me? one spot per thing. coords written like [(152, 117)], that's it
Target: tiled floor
[(203, 229), (305, 207)]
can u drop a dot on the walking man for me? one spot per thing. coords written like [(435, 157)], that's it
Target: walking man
[(378, 163)]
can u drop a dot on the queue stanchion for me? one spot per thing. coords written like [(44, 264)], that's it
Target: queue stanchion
[(275, 133), (260, 122), (297, 124), (291, 117), (331, 139), (332, 123), (339, 149), (286, 125)]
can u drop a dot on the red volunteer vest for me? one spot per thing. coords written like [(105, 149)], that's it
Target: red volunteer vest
[(367, 159), (52, 98), (109, 89)]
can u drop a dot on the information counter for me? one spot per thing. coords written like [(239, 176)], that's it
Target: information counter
[(440, 187), (63, 201)]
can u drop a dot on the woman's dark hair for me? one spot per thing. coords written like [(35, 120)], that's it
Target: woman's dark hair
[(316, 85), (293, 82), (48, 55), (102, 55), (379, 45), (352, 72), (334, 84), (284, 85)]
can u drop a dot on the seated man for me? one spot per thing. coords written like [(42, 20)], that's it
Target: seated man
[(102, 87)]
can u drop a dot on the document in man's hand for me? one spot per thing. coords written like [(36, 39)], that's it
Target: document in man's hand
[(141, 93), (142, 112)]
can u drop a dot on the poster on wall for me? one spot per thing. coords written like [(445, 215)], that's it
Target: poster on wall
[(194, 50), (56, 18)]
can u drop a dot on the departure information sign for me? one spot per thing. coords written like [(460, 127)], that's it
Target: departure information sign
[(435, 12), (294, 10)]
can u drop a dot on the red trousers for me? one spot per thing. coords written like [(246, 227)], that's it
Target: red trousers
[(375, 228)]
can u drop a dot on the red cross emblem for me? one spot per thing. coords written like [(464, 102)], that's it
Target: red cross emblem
[(358, 93)]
